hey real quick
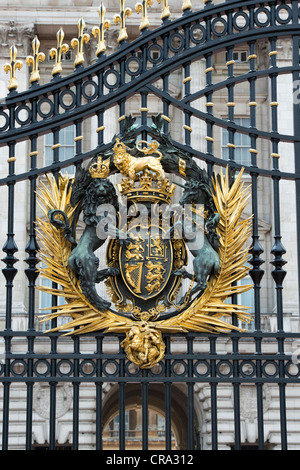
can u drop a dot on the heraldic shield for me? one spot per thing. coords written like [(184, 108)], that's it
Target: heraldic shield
[(144, 227), (146, 266)]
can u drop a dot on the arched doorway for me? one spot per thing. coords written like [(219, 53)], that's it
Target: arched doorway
[(156, 418)]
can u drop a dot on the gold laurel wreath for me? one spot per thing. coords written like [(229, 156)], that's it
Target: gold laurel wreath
[(202, 315)]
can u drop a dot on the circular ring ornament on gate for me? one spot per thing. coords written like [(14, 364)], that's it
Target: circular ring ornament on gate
[(155, 48), (219, 26), (23, 115), (111, 79), (93, 90), (245, 18), (4, 117), (198, 33), (133, 66), (45, 103), (67, 99), (145, 259)]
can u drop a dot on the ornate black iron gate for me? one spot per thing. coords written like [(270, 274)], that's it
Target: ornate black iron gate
[(145, 68)]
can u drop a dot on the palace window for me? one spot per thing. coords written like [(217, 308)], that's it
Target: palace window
[(66, 150), (240, 56), (241, 141)]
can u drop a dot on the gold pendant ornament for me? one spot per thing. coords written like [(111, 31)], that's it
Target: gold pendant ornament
[(144, 346), (145, 259)]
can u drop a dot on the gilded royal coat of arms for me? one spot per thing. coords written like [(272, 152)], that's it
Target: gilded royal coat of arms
[(164, 211)]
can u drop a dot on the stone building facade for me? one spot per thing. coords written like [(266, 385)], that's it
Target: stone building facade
[(19, 24)]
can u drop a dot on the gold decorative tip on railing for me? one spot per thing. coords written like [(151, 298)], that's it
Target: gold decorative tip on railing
[(57, 53), (142, 7), (34, 60), (165, 9), (121, 18), (79, 42), (99, 30), (12, 67), (186, 4)]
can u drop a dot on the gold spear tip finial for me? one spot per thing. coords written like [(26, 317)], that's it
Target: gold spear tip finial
[(12, 67), (79, 42), (57, 53), (99, 30), (34, 60)]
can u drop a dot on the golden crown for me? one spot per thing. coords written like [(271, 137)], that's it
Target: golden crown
[(147, 190), (100, 169)]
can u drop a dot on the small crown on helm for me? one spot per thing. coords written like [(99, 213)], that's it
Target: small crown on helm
[(100, 169)]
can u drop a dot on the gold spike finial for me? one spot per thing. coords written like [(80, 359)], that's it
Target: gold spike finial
[(142, 7), (57, 53), (12, 67), (99, 30), (34, 60), (121, 18), (165, 9), (78, 42)]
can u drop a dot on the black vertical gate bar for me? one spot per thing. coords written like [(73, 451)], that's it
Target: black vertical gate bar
[(76, 386), (144, 111), (168, 437), (100, 112), (209, 110), (278, 250), (10, 248), (78, 140), (123, 101), (52, 384), (187, 115), (78, 123), (99, 385), (122, 115), (121, 401), (296, 112), (231, 146), (166, 103), (190, 385), (55, 149), (31, 274), (53, 362), (256, 250), (145, 411), (100, 127), (236, 395), (230, 104), (213, 388)]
